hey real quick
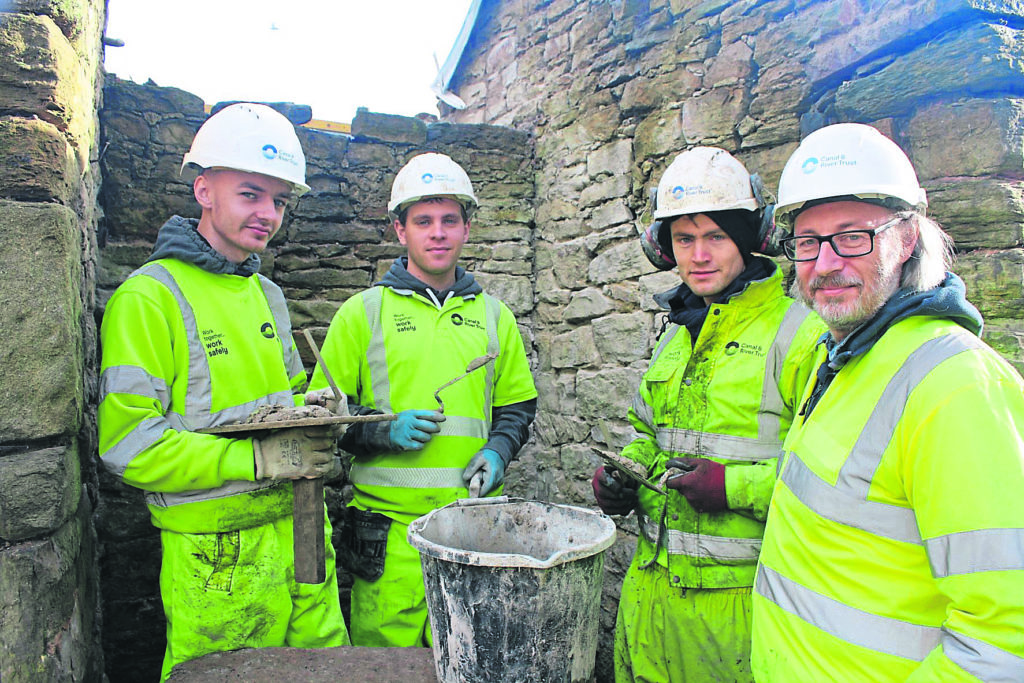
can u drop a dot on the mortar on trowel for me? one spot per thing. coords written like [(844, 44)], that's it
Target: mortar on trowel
[(475, 364)]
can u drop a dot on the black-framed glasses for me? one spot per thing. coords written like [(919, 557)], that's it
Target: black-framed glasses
[(848, 243)]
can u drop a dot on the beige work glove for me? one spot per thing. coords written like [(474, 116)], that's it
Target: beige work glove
[(294, 453), (325, 398)]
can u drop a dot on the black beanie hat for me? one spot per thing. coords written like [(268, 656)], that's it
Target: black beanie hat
[(741, 226)]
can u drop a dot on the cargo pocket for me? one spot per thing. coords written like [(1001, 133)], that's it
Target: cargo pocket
[(363, 542), (218, 557)]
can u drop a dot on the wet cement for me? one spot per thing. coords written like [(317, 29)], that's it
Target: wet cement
[(328, 665)]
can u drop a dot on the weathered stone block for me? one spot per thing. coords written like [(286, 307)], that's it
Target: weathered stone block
[(658, 133), (1007, 338), (656, 283), (713, 116), (605, 191), (516, 292), (979, 212), (389, 128), (39, 492), (36, 162), (39, 74), (332, 233), (552, 429), (610, 213), (574, 349), (606, 393), (556, 393), (623, 337), (976, 59), (995, 281), (937, 133), (41, 366), (47, 606), (586, 305), (620, 262), (614, 158)]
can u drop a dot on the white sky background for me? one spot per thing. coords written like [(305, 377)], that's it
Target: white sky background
[(335, 56)]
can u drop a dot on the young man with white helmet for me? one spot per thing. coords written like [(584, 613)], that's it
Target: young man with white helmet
[(894, 549), (710, 414), (196, 338), (389, 349)]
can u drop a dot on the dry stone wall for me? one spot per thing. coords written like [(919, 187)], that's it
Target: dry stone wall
[(49, 91), (613, 90), (335, 241)]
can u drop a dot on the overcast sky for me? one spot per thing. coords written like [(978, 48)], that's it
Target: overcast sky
[(335, 55)]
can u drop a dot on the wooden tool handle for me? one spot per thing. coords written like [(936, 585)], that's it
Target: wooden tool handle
[(308, 529)]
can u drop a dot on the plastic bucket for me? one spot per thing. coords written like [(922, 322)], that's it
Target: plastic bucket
[(513, 589)]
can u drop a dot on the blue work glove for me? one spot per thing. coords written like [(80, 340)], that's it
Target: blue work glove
[(484, 473), (414, 428)]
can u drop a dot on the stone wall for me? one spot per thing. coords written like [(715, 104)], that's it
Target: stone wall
[(49, 91), (336, 241), (613, 90)]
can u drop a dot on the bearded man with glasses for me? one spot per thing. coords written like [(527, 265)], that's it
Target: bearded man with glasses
[(894, 545)]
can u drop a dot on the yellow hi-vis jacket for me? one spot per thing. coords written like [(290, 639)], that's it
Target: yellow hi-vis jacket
[(184, 349), (729, 397), (391, 349), (895, 542)]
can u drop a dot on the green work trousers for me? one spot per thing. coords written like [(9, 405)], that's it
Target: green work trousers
[(392, 611), (671, 635), (237, 589)]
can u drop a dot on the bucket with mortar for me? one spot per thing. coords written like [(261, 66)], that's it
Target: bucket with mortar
[(513, 589)]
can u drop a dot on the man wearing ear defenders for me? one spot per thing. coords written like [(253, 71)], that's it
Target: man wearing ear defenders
[(711, 412)]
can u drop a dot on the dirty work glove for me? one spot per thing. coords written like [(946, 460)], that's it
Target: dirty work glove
[(296, 453), (414, 428), (614, 497), (484, 473), (326, 398), (703, 485)]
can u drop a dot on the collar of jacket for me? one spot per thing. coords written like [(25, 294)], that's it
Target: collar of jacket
[(179, 239), (689, 310)]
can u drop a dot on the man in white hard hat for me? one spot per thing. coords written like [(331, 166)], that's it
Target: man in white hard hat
[(197, 338), (710, 415), (390, 348), (894, 549)]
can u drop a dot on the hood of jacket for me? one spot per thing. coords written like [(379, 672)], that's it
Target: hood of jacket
[(401, 280), (179, 238), (948, 300)]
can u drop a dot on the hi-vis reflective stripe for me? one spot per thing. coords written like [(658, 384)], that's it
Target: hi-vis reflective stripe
[(885, 634), (847, 501), (719, 445), (282, 323), (723, 548), (376, 358), (981, 550), (772, 405), (198, 398), (767, 445), (408, 477), (875, 632), (985, 661)]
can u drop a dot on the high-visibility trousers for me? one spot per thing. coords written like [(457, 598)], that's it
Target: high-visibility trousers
[(392, 611), (235, 589), (671, 635)]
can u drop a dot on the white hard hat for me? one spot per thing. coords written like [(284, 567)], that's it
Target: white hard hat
[(702, 180), (847, 160), (431, 175), (253, 138), (708, 180)]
